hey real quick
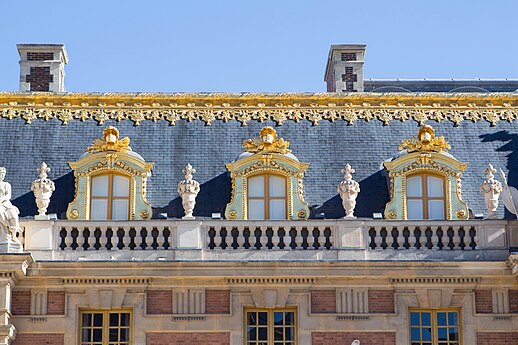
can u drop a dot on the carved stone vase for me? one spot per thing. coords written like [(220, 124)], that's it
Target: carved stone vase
[(348, 190), (43, 188), (188, 190), (491, 190)]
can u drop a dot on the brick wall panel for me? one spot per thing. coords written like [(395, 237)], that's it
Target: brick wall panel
[(217, 301), (56, 302), (497, 338), (381, 301), (191, 338), (483, 301), (323, 301), (513, 301), (342, 338), (39, 339), (159, 302), (21, 303)]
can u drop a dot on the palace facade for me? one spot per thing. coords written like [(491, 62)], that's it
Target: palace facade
[(370, 214)]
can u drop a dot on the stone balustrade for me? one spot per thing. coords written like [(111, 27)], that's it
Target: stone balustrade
[(217, 238)]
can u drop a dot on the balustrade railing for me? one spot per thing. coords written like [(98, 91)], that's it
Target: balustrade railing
[(223, 235), (453, 236), (104, 236), (295, 235)]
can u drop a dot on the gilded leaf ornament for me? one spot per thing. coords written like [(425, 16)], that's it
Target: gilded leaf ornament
[(110, 142), (267, 142), (425, 141)]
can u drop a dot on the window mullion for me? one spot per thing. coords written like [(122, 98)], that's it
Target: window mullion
[(266, 196), (110, 195)]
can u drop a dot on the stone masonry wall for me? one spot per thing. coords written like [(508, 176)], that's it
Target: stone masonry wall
[(365, 338), (39, 339), (191, 338), (327, 147)]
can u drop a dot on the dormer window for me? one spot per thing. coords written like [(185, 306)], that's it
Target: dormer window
[(266, 197), (110, 197), (425, 197), (267, 181), (110, 181), (425, 180)]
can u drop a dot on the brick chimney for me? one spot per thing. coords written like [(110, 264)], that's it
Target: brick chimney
[(344, 70), (42, 67)]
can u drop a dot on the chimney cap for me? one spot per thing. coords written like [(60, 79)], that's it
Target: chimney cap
[(344, 46), (44, 48)]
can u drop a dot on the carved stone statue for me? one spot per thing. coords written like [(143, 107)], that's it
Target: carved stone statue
[(8, 212), (348, 190), (188, 190), (42, 189), (491, 190), (355, 342)]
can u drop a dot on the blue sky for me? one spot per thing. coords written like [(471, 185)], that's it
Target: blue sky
[(267, 45)]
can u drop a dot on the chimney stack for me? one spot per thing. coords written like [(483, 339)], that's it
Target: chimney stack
[(42, 67), (344, 70)]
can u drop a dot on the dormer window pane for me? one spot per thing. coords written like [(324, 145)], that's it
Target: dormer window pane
[(255, 209), (100, 186), (277, 209), (277, 187), (435, 187), (415, 209), (120, 209), (414, 187), (120, 186), (99, 209), (256, 187), (436, 209)]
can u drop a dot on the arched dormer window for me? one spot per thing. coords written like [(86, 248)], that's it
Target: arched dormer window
[(267, 181), (110, 181), (425, 180)]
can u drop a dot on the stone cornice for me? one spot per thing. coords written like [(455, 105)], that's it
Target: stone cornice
[(247, 107)]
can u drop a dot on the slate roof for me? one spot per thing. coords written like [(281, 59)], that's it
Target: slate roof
[(327, 146)]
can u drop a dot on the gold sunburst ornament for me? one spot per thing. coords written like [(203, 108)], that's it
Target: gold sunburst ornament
[(267, 142), (110, 142), (425, 141)]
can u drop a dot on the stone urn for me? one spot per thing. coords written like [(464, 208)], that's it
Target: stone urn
[(491, 190), (348, 190), (188, 190), (43, 188)]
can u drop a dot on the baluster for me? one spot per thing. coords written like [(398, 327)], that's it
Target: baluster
[(331, 240), (80, 240), (321, 237), (434, 238), (473, 230), (275, 237), (126, 239), (240, 236), (377, 237), (103, 238), (400, 239), (412, 239), (456, 237), (298, 237), (68, 238), (263, 239), (160, 239)]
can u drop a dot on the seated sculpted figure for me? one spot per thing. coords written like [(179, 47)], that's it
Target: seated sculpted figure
[(8, 212)]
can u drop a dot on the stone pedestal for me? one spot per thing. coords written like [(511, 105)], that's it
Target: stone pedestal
[(10, 247), (188, 236), (39, 235)]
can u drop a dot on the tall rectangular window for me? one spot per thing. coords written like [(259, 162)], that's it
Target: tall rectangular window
[(434, 327), (105, 327), (271, 327)]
